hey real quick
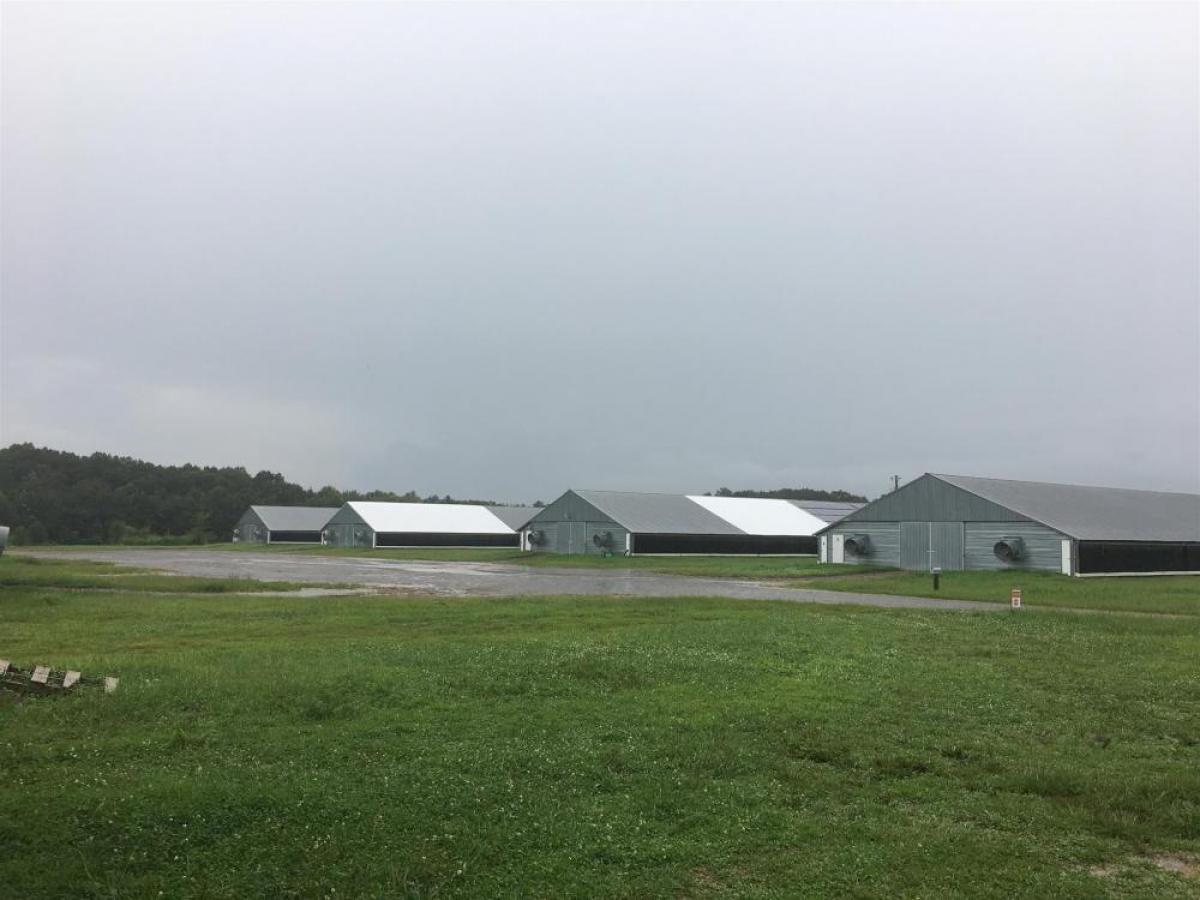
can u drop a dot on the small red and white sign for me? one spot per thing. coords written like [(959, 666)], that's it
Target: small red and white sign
[(1016, 598)]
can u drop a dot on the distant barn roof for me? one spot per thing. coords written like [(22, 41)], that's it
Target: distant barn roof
[(1093, 513), (514, 516), (828, 510), (429, 518), (645, 513), (294, 518), (762, 516)]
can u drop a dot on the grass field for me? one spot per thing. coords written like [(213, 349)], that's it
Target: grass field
[(1177, 594), (576, 747)]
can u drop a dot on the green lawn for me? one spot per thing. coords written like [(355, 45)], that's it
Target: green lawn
[(1162, 594), (576, 747)]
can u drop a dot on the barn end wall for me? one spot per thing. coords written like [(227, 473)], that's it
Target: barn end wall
[(1043, 546), (347, 529), (251, 529), (570, 525)]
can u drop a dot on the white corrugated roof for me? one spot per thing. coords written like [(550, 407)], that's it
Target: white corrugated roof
[(430, 518), (755, 515)]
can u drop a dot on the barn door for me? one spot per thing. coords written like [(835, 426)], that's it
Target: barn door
[(924, 545), (914, 546), (946, 545), (839, 548), (579, 537)]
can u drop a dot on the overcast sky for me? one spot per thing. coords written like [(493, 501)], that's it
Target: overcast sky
[(502, 250)]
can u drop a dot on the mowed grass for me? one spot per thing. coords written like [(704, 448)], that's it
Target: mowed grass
[(1176, 594), (575, 747)]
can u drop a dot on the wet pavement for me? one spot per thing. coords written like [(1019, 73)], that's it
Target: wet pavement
[(481, 579)]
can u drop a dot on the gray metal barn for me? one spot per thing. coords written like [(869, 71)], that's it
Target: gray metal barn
[(962, 522), (625, 522), (374, 524), (282, 524)]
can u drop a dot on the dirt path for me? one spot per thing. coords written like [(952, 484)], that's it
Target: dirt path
[(480, 579)]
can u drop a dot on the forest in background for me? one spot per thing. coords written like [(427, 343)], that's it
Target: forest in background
[(56, 497)]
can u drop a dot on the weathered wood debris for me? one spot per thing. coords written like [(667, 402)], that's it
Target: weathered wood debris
[(45, 680)]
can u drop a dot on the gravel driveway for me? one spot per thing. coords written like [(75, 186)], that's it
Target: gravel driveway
[(481, 579)]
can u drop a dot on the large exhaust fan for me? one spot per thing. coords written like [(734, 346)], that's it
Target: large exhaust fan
[(536, 538), (858, 545), (1009, 549)]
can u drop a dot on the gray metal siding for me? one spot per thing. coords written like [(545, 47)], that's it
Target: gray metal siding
[(885, 541), (618, 537), (1043, 546), (914, 545), (570, 523), (251, 529), (925, 545), (347, 529), (946, 546), (929, 499)]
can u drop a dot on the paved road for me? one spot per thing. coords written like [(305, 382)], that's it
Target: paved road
[(479, 579)]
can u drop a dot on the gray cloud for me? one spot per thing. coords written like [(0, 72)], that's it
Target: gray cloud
[(502, 250)]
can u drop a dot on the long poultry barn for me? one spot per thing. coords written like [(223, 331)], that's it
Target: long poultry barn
[(374, 524), (282, 524), (963, 522), (626, 522)]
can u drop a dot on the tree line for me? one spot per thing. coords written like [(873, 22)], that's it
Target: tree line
[(51, 496)]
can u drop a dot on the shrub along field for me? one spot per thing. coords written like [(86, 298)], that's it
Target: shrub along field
[(576, 747)]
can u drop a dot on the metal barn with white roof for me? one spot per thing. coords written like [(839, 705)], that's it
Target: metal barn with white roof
[(282, 524), (963, 522), (626, 522), (373, 524)]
